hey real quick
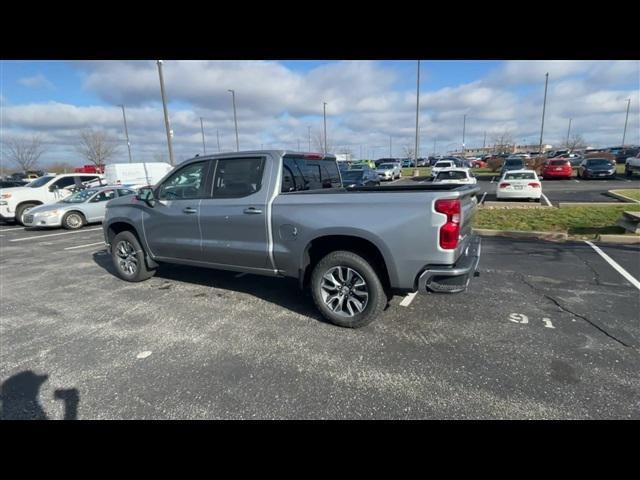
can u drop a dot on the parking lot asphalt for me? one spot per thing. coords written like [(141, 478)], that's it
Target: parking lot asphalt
[(549, 330), (571, 190)]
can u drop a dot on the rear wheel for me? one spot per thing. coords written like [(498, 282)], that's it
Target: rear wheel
[(347, 290), (73, 220), (128, 258)]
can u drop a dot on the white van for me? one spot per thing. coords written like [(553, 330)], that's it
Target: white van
[(136, 174)]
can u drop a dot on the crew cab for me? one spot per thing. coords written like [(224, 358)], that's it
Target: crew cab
[(16, 201), (286, 214)]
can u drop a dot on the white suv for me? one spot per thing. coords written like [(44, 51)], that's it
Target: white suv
[(16, 201)]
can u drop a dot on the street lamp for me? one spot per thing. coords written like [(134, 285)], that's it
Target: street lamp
[(324, 114), (126, 132), (464, 127), (235, 117), (204, 148), (416, 172), (166, 114), (624, 134), (544, 105)]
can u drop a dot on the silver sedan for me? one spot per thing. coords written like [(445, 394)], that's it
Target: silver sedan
[(75, 211)]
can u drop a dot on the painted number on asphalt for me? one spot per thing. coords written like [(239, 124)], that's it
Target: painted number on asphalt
[(521, 318), (518, 318)]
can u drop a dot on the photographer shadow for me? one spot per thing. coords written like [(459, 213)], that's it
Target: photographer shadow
[(19, 396)]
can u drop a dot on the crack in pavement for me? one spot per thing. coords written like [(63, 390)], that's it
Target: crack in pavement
[(566, 310)]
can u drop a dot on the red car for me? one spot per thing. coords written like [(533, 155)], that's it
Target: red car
[(557, 168), (478, 164)]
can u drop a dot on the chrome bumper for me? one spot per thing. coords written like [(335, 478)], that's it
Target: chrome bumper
[(455, 278)]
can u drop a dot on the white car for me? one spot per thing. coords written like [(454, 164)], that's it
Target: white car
[(16, 201), (519, 184), (460, 176), (389, 171), (441, 165)]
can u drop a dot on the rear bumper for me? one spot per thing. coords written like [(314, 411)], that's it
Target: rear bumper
[(454, 278)]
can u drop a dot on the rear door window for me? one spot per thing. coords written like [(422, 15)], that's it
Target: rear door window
[(299, 173), (238, 177)]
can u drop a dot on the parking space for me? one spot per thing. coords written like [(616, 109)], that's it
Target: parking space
[(547, 331), (556, 191)]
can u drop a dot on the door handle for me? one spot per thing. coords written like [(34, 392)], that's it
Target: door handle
[(190, 210), (252, 211)]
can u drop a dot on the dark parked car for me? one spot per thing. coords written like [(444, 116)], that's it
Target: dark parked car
[(512, 164), (359, 177), (622, 154), (12, 183), (597, 168)]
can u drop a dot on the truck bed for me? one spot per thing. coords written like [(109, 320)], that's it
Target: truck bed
[(445, 187)]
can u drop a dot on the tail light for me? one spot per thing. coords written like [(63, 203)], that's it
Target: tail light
[(534, 185), (450, 231), (504, 185)]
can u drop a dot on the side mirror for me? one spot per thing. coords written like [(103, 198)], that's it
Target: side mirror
[(146, 195)]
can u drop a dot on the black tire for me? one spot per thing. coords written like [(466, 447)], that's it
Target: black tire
[(375, 302), (21, 210), (73, 220), (130, 244)]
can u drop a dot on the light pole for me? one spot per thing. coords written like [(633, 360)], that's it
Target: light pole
[(464, 127), (434, 146), (126, 132), (568, 131), (484, 142), (544, 106), (166, 114), (204, 148), (324, 114), (416, 172), (235, 118), (624, 134), (218, 137)]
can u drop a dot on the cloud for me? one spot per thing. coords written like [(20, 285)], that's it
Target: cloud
[(36, 81), (365, 107)]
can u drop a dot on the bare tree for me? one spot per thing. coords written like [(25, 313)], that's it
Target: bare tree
[(575, 142), (318, 142), (503, 142), (96, 146), (24, 152), (408, 151), (60, 167)]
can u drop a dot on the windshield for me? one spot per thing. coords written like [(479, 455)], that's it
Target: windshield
[(386, 166), (352, 174), (600, 162), (557, 163), (81, 196), (513, 162), (443, 164), (451, 175), (38, 182), (520, 176)]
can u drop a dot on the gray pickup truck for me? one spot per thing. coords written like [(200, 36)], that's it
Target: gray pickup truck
[(286, 214)]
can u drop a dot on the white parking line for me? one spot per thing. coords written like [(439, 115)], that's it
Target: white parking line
[(87, 245), (53, 235), (546, 200), (482, 199), (615, 265), (492, 179), (406, 301), (12, 228)]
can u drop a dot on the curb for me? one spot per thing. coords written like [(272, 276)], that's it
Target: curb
[(626, 239), (508, 205), (589, 204), (622, 197), (551, 236)]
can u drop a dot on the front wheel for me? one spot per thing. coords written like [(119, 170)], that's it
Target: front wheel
[(73, 221), (347, 290), (128, 258)]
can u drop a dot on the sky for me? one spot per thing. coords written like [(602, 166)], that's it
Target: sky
[(370, 104)]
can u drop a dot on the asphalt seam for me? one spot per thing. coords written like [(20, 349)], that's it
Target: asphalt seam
[(566, 310)]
